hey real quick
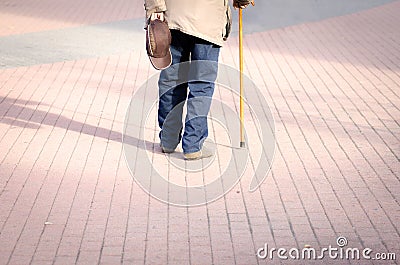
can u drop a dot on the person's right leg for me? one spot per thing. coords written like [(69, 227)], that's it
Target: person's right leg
[(202, 75)]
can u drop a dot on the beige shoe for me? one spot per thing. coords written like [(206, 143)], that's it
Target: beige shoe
[(203, 153)]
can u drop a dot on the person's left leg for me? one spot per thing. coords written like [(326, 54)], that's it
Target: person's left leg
[(202, 75), (173, 92)]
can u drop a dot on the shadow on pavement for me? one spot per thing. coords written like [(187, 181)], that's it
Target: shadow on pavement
[(19, 114)]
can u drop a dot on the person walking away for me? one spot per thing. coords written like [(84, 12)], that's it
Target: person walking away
[(198, 29)]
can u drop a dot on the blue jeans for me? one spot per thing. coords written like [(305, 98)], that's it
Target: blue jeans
[(198, 73)]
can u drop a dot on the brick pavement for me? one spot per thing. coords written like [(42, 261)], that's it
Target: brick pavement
[(67, 195)]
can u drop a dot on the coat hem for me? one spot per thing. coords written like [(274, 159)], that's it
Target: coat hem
[(196, 34)]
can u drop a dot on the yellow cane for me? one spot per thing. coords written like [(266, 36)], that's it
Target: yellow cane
[(242, 140)]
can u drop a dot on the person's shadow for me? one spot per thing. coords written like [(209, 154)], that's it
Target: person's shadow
[(17, 112)]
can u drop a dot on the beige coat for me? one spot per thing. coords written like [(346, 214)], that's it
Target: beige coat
[(205, 19)]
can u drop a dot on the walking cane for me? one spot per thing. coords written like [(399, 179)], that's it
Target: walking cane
[(242, 140)]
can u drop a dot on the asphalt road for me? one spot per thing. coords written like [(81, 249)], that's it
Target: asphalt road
[(123, 36)]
